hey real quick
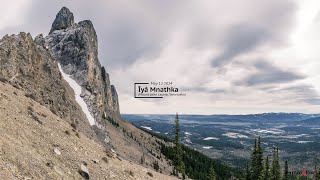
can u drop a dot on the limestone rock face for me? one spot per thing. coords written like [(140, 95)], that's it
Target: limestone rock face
[(115, 102), (64, 19), (27, 64), (76, 49), (107, 88)]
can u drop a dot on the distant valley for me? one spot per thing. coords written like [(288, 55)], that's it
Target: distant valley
[(229, 137)]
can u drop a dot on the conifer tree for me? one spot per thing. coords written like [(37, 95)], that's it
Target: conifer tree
[(286, 171), (275, 169), (178, 163), (265, 175), (317, 174), (256, 159), (278, 168), (247, 173), (259, 158), (212, 174)]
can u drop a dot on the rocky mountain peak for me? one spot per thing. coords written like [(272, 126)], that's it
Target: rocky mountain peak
[(64, 19), (75, 47), (31, 64)]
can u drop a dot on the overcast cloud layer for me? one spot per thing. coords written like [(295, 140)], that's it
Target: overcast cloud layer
[(229, 56)]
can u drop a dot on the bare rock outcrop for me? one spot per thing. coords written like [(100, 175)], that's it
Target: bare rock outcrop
[(64, 19), (76, 49), (27, 64)]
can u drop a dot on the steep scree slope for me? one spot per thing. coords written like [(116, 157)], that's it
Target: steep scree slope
[(37, 144)]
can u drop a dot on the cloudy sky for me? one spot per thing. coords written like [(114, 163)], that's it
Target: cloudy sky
[(230, 57)]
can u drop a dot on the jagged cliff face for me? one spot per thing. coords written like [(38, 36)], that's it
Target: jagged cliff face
[(75, 46), (44, 146), (28, 65)]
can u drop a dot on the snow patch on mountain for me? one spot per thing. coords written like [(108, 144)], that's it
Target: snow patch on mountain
[(77, 91), (147, 128)]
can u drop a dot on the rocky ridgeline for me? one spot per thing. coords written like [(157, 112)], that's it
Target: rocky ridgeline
[(31, 65), (75, 46)]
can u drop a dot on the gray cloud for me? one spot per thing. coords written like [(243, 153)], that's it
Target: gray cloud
[(240, 39), (125, 32), (165, 33), (128, 32), (318, 16), (302, 92), (246, 37), (206, 90), (267, 73), (37, 19), (313, 101)]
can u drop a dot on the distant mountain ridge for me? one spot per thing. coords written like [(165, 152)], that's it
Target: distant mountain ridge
[(315, 120), (263, 117), (229, 138)]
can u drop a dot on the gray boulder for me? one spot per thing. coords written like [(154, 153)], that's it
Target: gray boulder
[(84, 172)]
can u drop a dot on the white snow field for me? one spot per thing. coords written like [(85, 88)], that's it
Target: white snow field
[(77, 91)]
